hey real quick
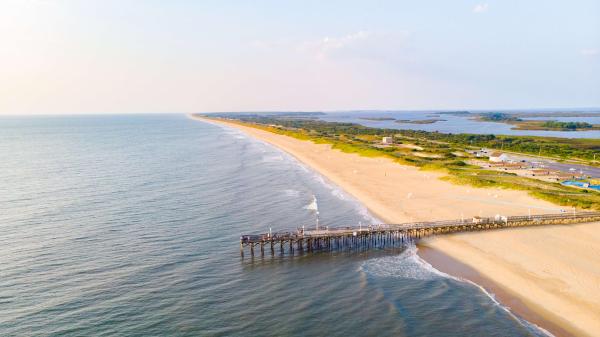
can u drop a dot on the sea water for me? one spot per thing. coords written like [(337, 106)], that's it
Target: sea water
[(130, 226)]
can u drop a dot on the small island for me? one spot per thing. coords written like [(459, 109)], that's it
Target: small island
[(455, 113), (378, 119), (541, 125), (555, 126), (499, 117), (419, 121)]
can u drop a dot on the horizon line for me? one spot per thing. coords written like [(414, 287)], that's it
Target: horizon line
[(562, 109)]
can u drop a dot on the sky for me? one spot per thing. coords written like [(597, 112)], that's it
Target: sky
[(126, 56)]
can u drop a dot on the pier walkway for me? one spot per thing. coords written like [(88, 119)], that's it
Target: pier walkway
[(386, 235)]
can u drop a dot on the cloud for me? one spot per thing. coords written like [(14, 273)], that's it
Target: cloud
[(480, 8), (328, 45), (361, 46), (589, 52), (341, 42), (358, 45)]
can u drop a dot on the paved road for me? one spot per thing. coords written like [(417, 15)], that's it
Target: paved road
[(591, 171)]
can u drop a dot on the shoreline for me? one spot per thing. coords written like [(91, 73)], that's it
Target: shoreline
[(346, 171), (448, 265)]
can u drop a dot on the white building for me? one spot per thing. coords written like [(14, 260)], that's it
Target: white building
[(387, 140), (498, 157)]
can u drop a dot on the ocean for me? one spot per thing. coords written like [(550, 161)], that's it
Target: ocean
[(129, 225)]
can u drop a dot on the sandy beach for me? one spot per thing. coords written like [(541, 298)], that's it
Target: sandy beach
[(553, 271)]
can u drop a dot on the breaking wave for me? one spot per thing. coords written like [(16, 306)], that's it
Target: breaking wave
[(408, 265)]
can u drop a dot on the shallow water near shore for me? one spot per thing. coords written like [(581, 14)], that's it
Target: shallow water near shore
[(129, 226)]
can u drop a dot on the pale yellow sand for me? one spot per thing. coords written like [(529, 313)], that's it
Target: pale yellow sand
[(554, 270)]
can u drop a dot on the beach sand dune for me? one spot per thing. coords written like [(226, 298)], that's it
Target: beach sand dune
[(553, 270)]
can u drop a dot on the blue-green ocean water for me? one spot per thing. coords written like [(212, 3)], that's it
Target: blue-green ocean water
[(129, 226)]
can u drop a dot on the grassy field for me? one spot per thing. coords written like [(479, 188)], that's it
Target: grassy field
[(435, 151)]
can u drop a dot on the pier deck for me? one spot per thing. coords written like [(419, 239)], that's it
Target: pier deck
[(382, 235)]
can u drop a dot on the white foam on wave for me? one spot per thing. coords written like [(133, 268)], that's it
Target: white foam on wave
[(313, 206), (530, 326), (272, 158), (282, 156), (340, 194), (409, 265), (406, 265), (227, 130), (291, 193), (237, 134)]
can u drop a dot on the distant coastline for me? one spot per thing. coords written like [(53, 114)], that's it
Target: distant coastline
[(378, 119), (420, 121), (519, 123), (396, 193), (468, 122)]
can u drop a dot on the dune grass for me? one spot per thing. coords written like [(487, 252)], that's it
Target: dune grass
[(456, 170)]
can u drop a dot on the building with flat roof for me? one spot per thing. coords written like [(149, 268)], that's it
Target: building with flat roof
[(498, 157), (387, 140)]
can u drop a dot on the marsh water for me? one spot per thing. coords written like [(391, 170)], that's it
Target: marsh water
[(449, 123)]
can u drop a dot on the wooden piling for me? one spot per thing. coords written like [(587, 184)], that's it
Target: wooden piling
[(381, 236)]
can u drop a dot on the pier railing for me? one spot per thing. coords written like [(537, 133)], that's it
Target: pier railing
[(382, 235)]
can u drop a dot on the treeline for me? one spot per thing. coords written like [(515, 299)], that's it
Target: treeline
[(566, 125), (499, 117), (354, 138), (556, 147)]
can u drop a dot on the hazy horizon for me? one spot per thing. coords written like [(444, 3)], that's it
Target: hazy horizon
[(564, 109), (61, 57)]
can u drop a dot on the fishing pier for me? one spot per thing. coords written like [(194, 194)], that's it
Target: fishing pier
[(394, 235)]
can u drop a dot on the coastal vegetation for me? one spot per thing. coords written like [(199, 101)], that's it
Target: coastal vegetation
[(543, 125), (558, 148), (555, 114), (566, 125), (552, 125), (498, 117), (437, 151)]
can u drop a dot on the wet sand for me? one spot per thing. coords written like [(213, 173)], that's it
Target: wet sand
[(549, 274), (444, 263), (553, 270)]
